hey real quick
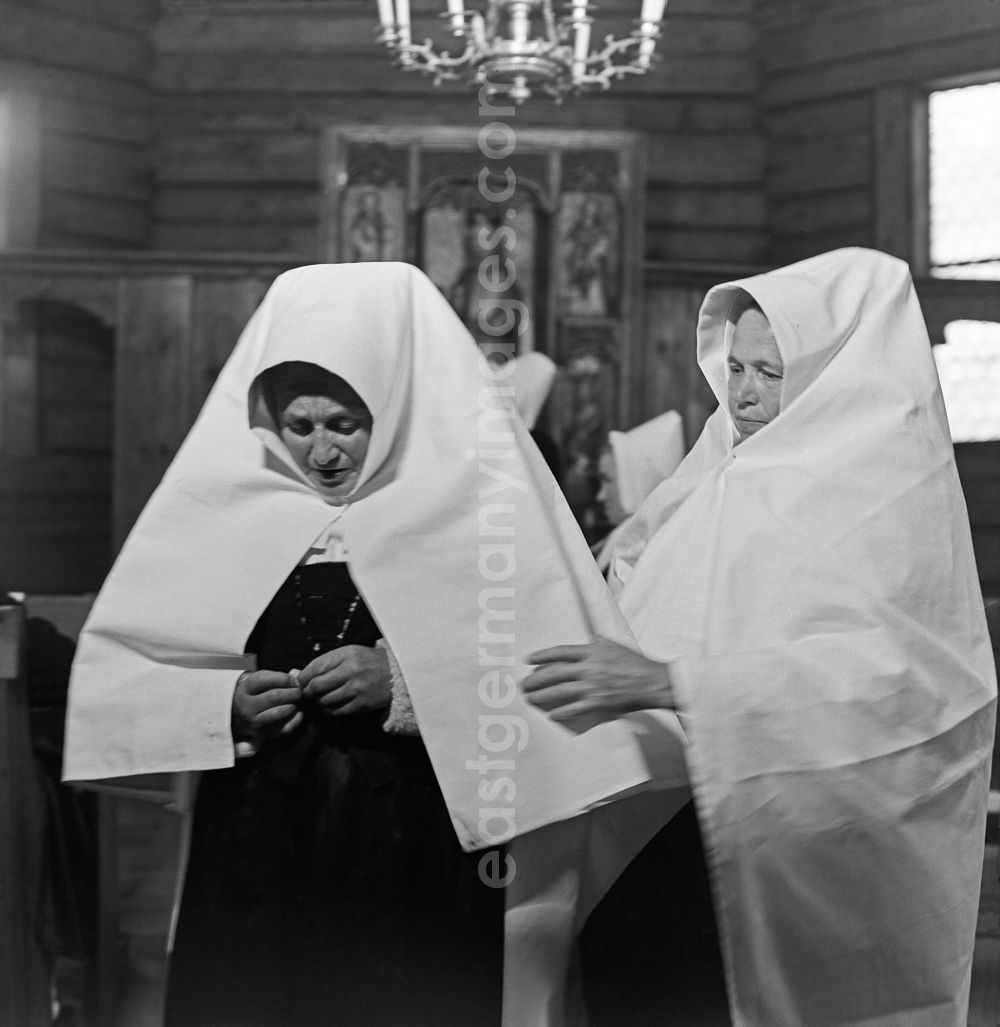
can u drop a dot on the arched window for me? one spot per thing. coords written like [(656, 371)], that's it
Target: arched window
[(55, 448)]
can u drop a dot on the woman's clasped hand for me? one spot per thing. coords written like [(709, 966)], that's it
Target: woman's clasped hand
[(348, 680)]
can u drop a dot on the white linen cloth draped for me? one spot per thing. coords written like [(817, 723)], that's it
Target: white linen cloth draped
[(459, 539), (815, 590)]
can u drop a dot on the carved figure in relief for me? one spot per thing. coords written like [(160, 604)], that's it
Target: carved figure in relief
[(367, 231), (589, 253)]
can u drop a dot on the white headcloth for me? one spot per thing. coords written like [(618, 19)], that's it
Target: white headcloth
[(645, 456)]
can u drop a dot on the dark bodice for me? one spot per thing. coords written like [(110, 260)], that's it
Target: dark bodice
[(306, 618), (327, 861)]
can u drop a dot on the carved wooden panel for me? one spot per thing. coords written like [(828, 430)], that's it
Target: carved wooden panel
[(533, 236)]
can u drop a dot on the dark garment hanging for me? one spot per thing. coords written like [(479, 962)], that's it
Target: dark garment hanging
[(649, 953), (325, 884)]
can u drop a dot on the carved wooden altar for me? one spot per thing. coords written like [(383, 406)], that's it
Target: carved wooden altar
[(563, 210)]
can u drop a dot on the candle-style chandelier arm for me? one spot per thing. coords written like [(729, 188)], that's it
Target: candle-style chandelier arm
[(515, 46), (602, 68), (553, 29), (442, 66), (423, 57)]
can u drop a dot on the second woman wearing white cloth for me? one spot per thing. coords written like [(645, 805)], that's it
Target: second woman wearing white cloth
[(804, 591)]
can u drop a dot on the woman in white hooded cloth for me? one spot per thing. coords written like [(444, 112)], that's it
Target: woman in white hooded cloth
[(357, 474), (804, 592)]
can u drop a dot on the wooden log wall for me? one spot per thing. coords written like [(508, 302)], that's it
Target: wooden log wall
[(837, 83), (245, 89), (668, 367), (76, 76)]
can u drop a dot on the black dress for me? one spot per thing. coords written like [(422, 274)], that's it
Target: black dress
[(650, 953), (325, 883)]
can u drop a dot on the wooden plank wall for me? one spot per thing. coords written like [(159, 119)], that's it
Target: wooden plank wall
[(826, 67), (667, 359), (246, 88), (85, 64)]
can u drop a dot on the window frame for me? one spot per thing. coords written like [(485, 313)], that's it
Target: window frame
[(902, 201), (902, 165)]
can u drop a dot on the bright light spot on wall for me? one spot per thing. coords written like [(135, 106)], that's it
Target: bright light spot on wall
[(969, 368)]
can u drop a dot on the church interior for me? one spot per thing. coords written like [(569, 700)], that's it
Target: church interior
[(161, 161)]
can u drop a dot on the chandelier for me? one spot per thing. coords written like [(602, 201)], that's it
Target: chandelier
[(514, 46)]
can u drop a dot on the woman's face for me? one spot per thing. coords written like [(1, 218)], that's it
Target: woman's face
[(755, 374), (327, 439), (608, 493)]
